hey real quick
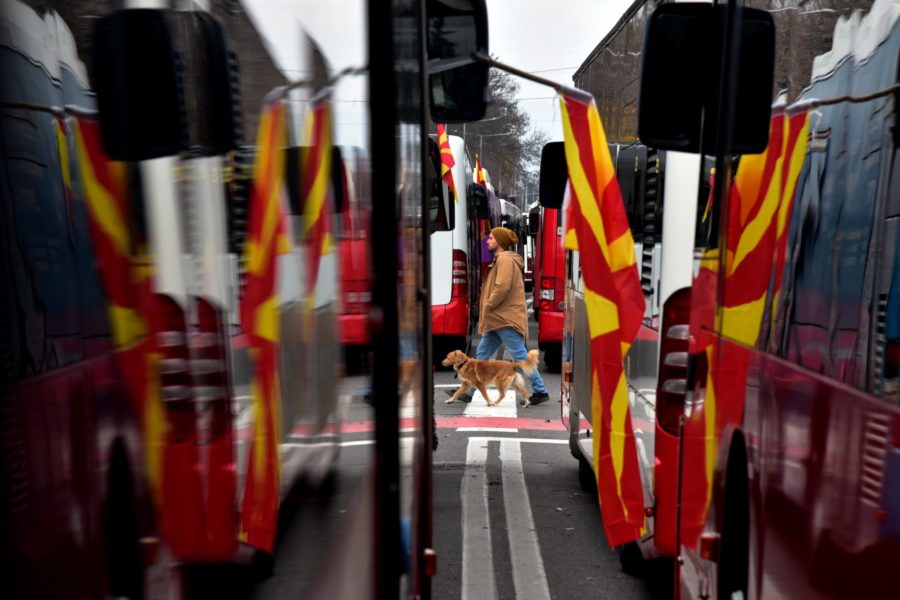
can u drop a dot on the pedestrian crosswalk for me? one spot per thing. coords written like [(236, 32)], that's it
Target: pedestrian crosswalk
[(528, 572)]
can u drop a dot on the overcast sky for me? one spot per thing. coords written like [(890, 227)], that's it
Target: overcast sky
[(538, 35), (550, 37)]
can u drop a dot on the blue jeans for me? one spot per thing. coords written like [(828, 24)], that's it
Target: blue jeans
[(515, 343)]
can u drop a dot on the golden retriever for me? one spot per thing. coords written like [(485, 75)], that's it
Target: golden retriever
[(482, 373)]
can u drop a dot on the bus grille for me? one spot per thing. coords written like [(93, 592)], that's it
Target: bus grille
[(875, 449), (652, 218)]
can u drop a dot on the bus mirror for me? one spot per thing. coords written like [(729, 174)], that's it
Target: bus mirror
[(457, 86), (480, 200), (293, 157), (554, 175), (137, 85), (214, 107), (534, 223), (338, 183), (164, 84), (298, 155), (684, 45)]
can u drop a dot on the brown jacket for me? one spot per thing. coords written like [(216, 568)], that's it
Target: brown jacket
[(503, 295)]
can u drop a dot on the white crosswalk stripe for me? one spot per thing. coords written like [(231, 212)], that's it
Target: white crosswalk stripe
[(529, 575), (479, 408)]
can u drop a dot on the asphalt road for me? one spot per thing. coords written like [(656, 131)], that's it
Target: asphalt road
[(510, 518)]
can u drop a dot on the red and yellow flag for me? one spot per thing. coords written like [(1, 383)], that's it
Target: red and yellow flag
[(753, 206), (760, 202), (315, 190), (266, 238), (479, 172), (447, 162), (126, 277), (597, 226), (796, 140)]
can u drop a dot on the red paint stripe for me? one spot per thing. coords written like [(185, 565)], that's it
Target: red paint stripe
[(501, 422), (521, 423), (456, 422)]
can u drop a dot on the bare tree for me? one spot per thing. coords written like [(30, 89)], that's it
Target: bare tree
[(509, 148)]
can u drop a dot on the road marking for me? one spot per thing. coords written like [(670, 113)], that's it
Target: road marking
[(524, 550), (477, 554), (479, 408), (359, 443), (520, 440), (494, 429), (493, 422)]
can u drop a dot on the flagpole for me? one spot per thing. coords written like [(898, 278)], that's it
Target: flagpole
[(560, 89), (586, 97)]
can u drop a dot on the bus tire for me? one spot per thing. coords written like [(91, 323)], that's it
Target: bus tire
[(124, 561), (631, 559), (553, 357), (586, 476), (734, 554)]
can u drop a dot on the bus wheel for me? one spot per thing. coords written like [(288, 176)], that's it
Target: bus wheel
[(553, 357), (734, 557), (125, 565), (586, 476), (631, 559)]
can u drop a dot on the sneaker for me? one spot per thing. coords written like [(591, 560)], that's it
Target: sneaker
[(539, 398), (464, 398)]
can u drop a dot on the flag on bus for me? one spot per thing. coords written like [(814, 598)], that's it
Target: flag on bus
[(315, 191), (597, 226), (447, 162), (759, 203), (479, 172), (796, 140), (266, 238), (753, 205), (124, 274)]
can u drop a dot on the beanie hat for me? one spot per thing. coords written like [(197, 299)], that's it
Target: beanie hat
[(505, 237)]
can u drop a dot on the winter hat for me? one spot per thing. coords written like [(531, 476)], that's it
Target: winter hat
[(505, 237)]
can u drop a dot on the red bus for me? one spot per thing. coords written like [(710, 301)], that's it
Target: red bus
[(170, 339), (459, 256), (768, 432), (353, 248), (790, 426), (77, 491), (549, 285)]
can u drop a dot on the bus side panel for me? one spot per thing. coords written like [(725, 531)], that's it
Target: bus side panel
[(550, 275), (822, 461)]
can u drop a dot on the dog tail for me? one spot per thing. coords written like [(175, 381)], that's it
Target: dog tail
[(530, 363), (520, 380)]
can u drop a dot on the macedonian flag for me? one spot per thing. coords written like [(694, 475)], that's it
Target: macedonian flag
[(796, 139), (315, 181), (266, 238), (447, 162), (597, 226), (125, 276), (479, 172), (759, 205)]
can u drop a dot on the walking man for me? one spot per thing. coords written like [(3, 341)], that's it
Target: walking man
[(503, 316)]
